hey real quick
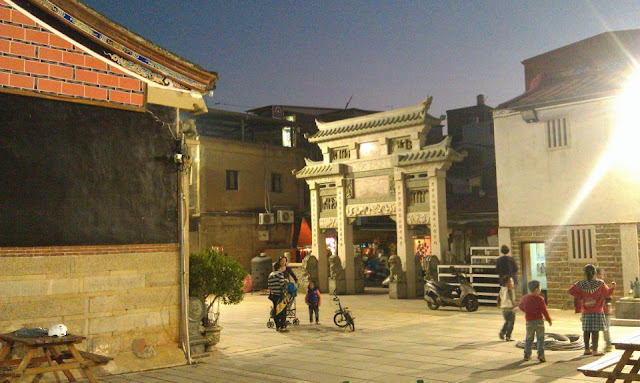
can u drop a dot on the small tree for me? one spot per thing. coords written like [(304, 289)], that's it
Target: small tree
[(215, 277)]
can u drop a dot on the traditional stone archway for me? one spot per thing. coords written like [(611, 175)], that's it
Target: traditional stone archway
[(375, 165)]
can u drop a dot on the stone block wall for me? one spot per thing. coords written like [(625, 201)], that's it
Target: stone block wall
[(109, 294), (561, 274)]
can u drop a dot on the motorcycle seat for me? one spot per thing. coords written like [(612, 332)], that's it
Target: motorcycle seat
[(443, 285)]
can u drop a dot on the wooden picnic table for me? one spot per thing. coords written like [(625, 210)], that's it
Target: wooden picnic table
[(53, 360), (629, 345)]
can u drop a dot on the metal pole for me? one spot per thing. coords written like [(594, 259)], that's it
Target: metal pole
[(184, 293)]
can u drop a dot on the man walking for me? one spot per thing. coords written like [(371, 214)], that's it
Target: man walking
[(506, 266)]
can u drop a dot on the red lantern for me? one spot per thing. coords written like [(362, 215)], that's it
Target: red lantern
[(493, 231)]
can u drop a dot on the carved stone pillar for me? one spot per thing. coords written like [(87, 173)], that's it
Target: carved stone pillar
[(345, 237), (384, 146), (318, 244), (326, 154), (416, 143), (404, 239), (353, 151), (438, 214)]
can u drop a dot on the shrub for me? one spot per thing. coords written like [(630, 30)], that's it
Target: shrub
[(215, 277)]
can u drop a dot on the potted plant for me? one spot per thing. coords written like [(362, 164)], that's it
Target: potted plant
[(215, 278)]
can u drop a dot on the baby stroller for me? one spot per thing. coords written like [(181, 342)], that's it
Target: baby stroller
[(292, 316)]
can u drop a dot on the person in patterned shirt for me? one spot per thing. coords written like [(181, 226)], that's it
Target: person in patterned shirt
[(591, 292)]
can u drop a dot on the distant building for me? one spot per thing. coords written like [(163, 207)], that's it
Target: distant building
[(246, 127), (243, 174), (566, 157), (472, 202), (305, 118), (258, 150)]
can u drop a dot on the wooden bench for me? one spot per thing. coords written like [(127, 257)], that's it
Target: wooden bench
[(595, 369), (52, 361), (599, 368), (99, 360)]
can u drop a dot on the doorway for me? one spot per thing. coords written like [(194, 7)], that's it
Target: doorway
[(534, 266), (374, 239)]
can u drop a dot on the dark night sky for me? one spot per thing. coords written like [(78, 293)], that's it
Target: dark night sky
[(387, 54)]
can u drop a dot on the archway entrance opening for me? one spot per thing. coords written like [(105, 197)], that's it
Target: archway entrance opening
[(374, 240)]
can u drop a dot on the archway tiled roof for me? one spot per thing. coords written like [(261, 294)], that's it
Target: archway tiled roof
[(374, 123)]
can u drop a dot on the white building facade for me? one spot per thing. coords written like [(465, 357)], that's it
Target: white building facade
[(568, 172)]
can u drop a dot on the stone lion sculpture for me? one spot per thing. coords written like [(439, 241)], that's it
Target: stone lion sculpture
[(358, 266), (396, 274), (430, 267), (310, 268), (335, 268)]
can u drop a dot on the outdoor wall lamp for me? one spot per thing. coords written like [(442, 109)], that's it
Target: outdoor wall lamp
[(529, 115)]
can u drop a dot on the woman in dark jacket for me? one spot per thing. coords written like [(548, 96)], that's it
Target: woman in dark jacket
[(288, 272), (292, 287)]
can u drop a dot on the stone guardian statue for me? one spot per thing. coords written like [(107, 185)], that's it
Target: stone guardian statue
[(337, 282)]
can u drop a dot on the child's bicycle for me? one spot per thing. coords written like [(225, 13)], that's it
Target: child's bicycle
[(343, 317)]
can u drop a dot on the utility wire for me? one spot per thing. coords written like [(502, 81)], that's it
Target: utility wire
[(169, 125)]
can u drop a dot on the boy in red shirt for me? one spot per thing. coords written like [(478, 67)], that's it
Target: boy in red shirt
[(534, 309)]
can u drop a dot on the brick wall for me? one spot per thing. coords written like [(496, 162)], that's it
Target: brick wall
[(561, 274), (34, 59), (239, 237), (109, 294)]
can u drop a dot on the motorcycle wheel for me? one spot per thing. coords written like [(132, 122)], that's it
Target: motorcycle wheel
[(432, 305), (340, 320), (472, 303)]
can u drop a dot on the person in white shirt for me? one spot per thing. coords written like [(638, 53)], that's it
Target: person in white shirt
[(507, 302)]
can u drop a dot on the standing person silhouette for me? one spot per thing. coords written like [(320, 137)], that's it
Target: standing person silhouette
[(506, 266)]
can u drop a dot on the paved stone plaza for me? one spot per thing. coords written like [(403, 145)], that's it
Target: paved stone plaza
[(394, 341)]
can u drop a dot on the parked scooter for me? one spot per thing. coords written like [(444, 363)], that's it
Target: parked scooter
[(375, 277), (374, 273), (438, 293)]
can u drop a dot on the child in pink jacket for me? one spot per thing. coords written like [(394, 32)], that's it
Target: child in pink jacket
[(592, 293)]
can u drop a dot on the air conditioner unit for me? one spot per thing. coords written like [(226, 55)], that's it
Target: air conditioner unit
[(266, 219), (285, 216)]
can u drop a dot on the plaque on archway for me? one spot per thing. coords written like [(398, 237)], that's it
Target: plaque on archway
[(379, 165)]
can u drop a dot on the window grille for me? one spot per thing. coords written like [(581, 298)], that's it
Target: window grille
[(338, 154), (232, 180), (582, 244), (557, 134), (276, 183)]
